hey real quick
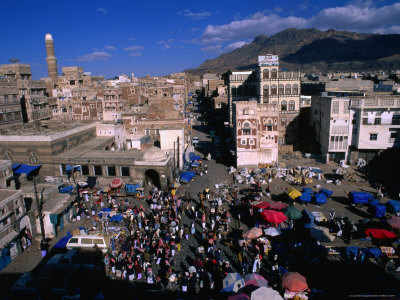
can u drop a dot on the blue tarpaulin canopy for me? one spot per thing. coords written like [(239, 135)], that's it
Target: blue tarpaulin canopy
[(187, 176), (305, 197), (377, 209), (351, 250), (307, 190), (27, 169), (131, 188), (62, 243), (320, 198), (15, 166), (360, 197), (328, 193), (116, 218), (193, 156), (393, 206), (67, 189), (373, 252)]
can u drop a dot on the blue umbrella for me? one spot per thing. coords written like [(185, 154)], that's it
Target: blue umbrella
[(232, 282)]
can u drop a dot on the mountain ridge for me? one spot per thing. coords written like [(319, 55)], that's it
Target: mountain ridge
[(313, 50)]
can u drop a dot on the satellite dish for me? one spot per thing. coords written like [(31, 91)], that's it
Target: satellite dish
[(13, 60)]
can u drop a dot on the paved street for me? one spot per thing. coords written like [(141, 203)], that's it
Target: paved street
[(217, 174)]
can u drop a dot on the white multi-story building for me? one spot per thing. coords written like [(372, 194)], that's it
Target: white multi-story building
[(354, 127), (330, 119), (375, 125)]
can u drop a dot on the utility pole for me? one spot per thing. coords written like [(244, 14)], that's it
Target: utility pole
[(177, 150), (39, 208)]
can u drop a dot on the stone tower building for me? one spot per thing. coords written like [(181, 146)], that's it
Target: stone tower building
[(51, 58)]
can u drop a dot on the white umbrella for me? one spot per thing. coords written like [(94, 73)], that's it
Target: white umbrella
[(264, 293), (272, 231)]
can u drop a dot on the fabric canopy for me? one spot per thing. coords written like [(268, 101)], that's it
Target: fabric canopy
[(27, 169), (232, 282), (273, 216), (15, 166), (131, 188), (262, 204), (328, 193), (277, 205), (253, 233), (264, 293), (394, 222), (380, 234), (116, 218), (294, 282), (293, 193), (293, 213)]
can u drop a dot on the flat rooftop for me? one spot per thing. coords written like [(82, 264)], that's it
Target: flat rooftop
[(93, 149), (43, 128)]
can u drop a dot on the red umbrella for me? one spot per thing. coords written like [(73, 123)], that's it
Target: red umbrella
[(116, 183), (273, 216), (262, 204), (277, 205), (394, 222), (380, 234), (294, 282)]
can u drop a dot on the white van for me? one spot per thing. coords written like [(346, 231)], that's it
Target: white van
[(87, 241)]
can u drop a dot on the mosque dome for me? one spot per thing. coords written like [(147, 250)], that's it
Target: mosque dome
[(48, 37), (154, 154)]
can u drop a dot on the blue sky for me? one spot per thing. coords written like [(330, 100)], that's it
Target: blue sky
[(161, 37)]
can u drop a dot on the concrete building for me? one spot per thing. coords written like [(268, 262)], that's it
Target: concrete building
[(375, 125), (51, 59), (6, 175), (256, 133), (34, 101), (10, 105), (331, 121), (349, 128), (268, 84), (14, 222)]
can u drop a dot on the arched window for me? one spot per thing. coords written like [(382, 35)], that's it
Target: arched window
[(266, 74), (288, 89), (246, 130), (295, 89), (292, 105), (281, 89), (273, 90), (284, 105), (32, 157), (234, 91), (274, 74), (281, 74), (265, 91), (251, 142), (283, 122)]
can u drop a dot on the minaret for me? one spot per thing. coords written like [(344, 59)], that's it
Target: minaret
[(51, 58)]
